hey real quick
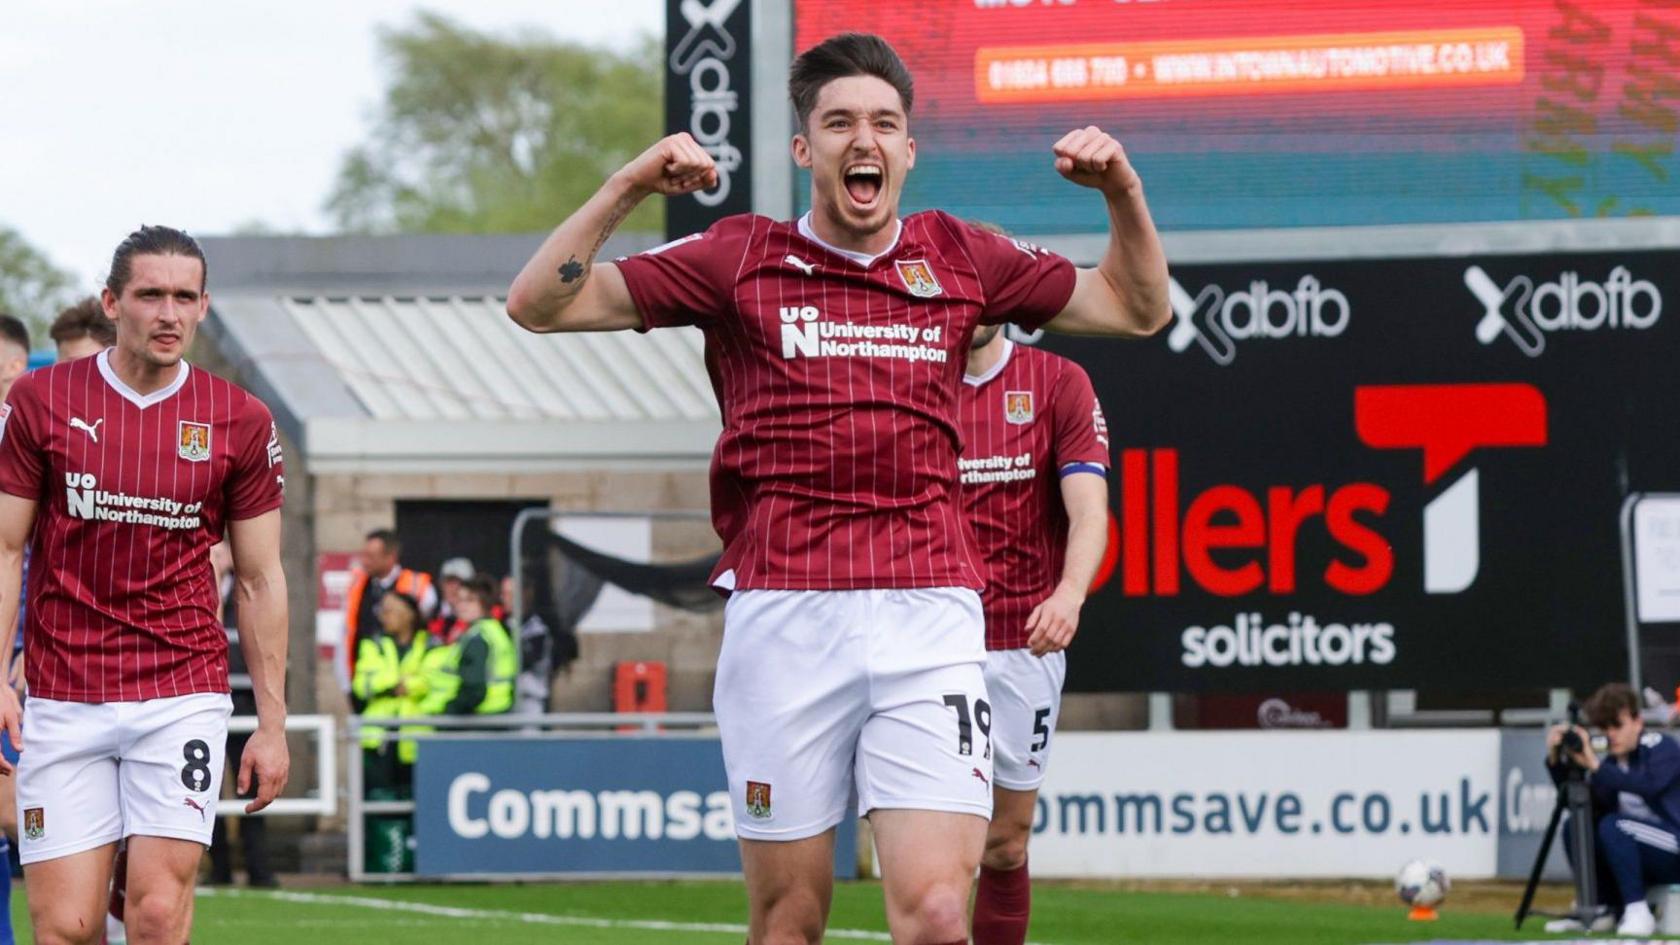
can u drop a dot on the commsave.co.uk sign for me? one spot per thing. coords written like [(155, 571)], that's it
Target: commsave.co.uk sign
[(527, 807)]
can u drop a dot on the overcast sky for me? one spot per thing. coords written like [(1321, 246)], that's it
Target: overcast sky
[(207, 114)]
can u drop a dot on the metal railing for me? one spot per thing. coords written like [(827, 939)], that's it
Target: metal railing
[(516, 538), (323, 799), (548, 726)]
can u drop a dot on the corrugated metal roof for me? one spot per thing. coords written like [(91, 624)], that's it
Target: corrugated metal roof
[(462, 358)]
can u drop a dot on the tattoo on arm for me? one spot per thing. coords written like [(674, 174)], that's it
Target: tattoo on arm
[(573, 274)]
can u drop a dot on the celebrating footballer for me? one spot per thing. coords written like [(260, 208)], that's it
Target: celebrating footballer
[(854, 635)]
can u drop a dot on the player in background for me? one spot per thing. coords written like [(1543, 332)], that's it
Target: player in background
[(14, 350), (854, 642), (127, 466), (1034, 484), (82, 330), (14, 360)]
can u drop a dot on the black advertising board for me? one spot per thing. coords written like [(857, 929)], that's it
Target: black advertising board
[(708, 93), (1382, 473)]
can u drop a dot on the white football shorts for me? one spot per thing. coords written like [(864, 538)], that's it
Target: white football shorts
[(820, 693), (1026, 693), (94, 773)]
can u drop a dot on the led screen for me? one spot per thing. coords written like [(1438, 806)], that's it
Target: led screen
[(1264, 113)]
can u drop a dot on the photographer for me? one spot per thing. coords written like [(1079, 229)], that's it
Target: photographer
[(1635, 797)]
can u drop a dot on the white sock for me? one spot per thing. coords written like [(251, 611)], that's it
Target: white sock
[(1637, 910)]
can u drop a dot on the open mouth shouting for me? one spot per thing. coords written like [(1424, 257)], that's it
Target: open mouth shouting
[(864, 182)]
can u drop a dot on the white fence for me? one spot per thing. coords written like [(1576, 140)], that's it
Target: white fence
[(322, 798)]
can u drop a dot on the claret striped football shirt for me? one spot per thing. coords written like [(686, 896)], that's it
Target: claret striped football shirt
[(131, 492), (837, 376), (1028, 422)]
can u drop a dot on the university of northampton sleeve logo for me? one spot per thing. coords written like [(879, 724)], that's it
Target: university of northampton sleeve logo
[(195, 441), (1018, 406), (917, 277), (758, 800)]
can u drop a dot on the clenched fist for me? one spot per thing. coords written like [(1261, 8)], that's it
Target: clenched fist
[(676, 164), (1090, 157)]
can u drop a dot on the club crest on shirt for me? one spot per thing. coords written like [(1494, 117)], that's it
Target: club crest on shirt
[(758, 800), (34, 823), (195, 441), (1018, 406), (918, 277)]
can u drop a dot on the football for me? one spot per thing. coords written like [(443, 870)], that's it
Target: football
[(1422, 883)]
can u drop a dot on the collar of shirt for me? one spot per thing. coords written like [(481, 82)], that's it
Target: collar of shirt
[(862, 259), (976, 380)]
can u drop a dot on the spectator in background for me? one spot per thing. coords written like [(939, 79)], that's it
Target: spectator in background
[(475, 674), (82, 329), (390, 681), (253, 831), (536, 654), (456, 571), (380, 572)]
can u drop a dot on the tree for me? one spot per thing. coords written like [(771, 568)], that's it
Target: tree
[(481, 134), (31, 287)]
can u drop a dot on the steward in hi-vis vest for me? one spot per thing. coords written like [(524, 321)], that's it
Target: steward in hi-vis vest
[(390, 681), (475, 674)]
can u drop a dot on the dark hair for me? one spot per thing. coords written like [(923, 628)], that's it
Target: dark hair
[(386, 537), (484, 589), (1606, 706), (409, 602), (14, 330), (85, 319), (838, 57), (153, 241)]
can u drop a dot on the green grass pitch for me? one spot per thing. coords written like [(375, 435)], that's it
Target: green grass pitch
[(712, 912)]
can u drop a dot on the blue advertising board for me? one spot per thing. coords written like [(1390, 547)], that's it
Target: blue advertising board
[(522, 806)]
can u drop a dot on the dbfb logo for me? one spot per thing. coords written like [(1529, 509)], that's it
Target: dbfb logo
[(1526, 312), (704, 55), (1216, 321)]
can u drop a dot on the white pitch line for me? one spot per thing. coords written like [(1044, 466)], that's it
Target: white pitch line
[(525, 917), (531, 918)]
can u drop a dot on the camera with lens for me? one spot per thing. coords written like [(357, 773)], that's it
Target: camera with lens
[(1571, 744), (1571, 740), (1574, 797)]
